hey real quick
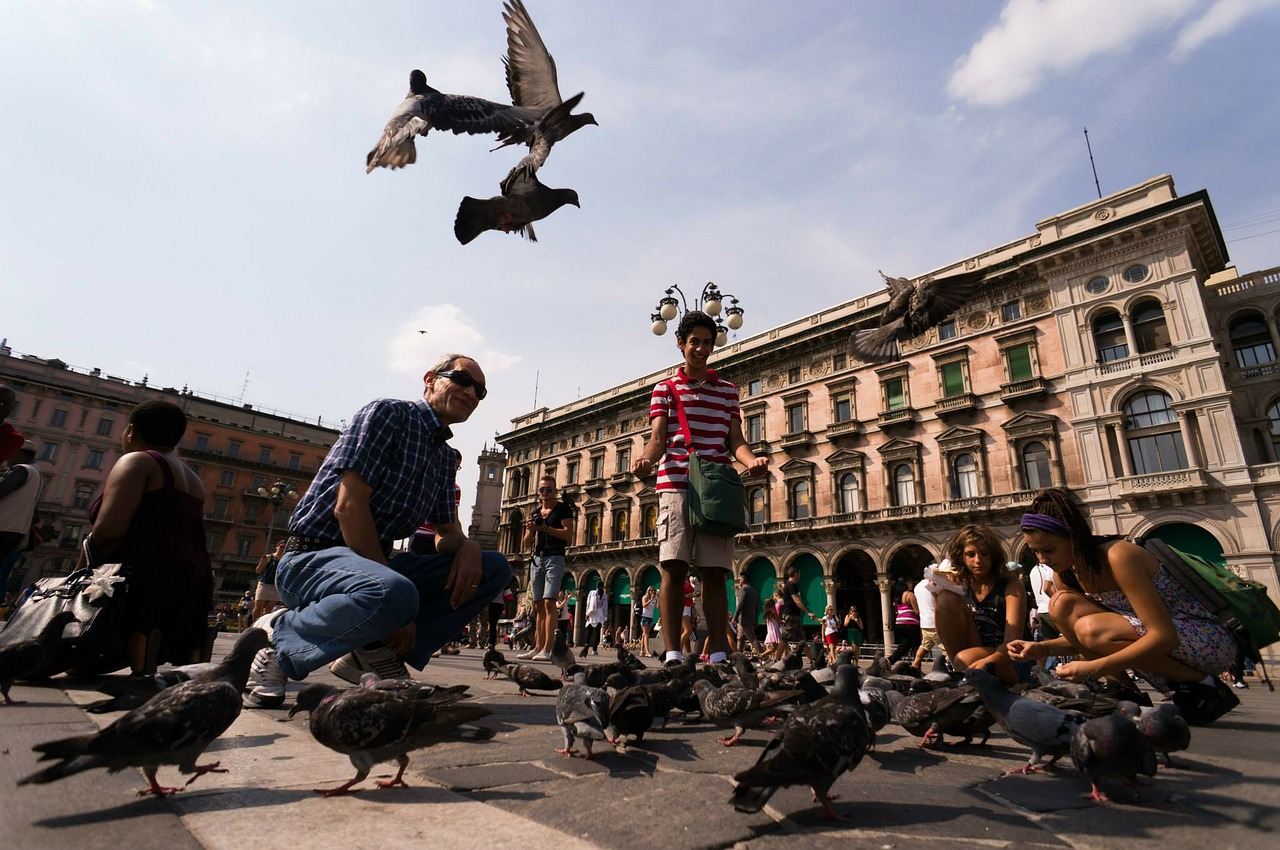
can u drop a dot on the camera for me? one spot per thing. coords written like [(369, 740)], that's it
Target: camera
[(537, 519)]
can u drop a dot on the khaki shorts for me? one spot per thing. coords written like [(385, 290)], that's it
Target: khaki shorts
[(266, 593), (678, 542), (929, 639)]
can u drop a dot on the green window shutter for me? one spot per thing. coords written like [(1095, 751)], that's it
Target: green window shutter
[(894, 399), (1019, 363), (952, 379)]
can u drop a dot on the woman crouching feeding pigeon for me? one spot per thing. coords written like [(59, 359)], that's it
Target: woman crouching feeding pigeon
[(1119, 608), (977, 627)]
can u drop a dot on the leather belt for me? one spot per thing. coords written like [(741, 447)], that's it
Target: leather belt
[(310, 544)]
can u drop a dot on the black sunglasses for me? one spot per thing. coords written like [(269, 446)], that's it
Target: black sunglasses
[(546, 489), (463, 379)]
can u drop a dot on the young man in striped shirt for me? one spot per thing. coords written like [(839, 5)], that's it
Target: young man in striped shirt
[(715, 422)]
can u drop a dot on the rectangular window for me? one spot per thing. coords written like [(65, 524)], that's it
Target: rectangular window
[(895, 397), (754, 387), (947, 330), (597, 466), (244, 546), (842, 407), (202, 442), (233, 449), (755, 428), (264, 455), (1011, 312), (105, 426), (574, 441), (93, 460), (1019, 360), (83, 497), (295, 460), (571, 472), (49, 451), (258, 481), (624, 460), (793, 375), (220, 506), (58, 419), (251, 511), (952, 379), (593, 529), (227, 478), (838, 362), (213, 542), (70, 535), (795, 418), (195, 467), (599, 433)]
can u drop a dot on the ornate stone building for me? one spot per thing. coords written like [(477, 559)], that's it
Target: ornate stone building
[(1112, 351)]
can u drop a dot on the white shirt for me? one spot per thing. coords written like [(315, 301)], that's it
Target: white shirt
[(597, 607), (18, 508), (924, 599), (1040, 574)]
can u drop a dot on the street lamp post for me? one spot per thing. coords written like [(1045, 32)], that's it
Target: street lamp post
[(276, 495), (711, 302)]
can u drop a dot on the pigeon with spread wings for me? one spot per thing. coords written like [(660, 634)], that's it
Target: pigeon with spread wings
[(913, 308), (531, 75)]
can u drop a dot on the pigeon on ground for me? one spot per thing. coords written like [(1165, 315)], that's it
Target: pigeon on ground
[(598, 675), (175, 727), (493, 662), (425, 108), (935, 714), (409, 687), (665, 696), (827, 675), (561, 655), (28, 657), (1049, 683), (1112, 746), (913, 308), (1163, 726), (1045, 728), (630, 716), (879, 665), (878, 705), (131, 692), (371, 725), (582, 712), (816, 745), (939, 672), (530, 678), (531, 73), (739, 709)]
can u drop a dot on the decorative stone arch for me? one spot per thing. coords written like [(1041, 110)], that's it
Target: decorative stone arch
[(908, 557), (1145, 525), (795, 553), (892, 455), (1137, 384)]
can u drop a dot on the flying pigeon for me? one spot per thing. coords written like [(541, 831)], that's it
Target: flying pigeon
[(1045, 728), (816, 745), (738, 708), (425, 108), (530, 678), (29, 657), (493, 662), (1112, 746), (913, 308), (371, 725), (173, 728), (582, 712), (531, 73), (1162, 725)]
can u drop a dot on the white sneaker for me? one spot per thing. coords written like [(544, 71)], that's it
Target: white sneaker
[(525, 656), (265, 688), (541, 656), (381, 661)]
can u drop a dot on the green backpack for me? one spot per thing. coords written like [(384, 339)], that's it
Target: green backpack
[(1239, 604)]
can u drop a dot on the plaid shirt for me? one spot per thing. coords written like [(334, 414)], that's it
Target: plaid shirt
[(398, 448)]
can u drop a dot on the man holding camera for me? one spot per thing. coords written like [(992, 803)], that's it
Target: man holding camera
[(548, 530)]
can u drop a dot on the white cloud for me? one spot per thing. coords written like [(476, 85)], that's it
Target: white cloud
[(1035, 39), (447, 330), (1219, 19)]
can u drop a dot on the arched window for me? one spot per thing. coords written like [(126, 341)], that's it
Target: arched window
[(83, 496), (593, 529), (801, 506), (1150, 331), (1035, 465), (1251, 341), (1108, 337), (848, 493), (1273, 414), (1155, 442), (904, 485), (964, 476), (621, 523), (759, 506), (649, 517)]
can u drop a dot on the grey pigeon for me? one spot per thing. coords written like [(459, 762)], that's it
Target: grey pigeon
[(1163, 726), (29, 657), (816, 745), (531, 73), (913, 308), (133, 691), (372, 725), (561, 655), (1051, 684), (826, 676), (530, 678), (934, 714), (174, 727), (738, 708), (582, 712), (879, 665), (1045, 728), (1112, 746), (598, 675), (493, 662), (878, 705), (409, 688), (425, 108)]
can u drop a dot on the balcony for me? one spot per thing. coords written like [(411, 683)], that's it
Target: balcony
[(797, 438), (960, 403), (620, 478), (759, 448), (1174, 481), (1138, 361), (594, 484), (847, 428), (1029, 388), (210, 516), (901, 416)]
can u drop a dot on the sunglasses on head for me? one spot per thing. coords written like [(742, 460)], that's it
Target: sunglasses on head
[(463, 379)]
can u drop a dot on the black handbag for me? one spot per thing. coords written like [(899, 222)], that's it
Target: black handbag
[(96, 595)]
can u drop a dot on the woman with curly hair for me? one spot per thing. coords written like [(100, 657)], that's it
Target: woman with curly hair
[(977, 627), (1119, 608)]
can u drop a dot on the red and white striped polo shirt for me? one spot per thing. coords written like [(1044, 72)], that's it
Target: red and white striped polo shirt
[(709, 406)]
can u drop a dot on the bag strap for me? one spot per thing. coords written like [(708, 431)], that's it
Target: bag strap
[(684, 422)]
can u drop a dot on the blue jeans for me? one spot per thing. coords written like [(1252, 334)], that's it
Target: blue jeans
[(338, 601)]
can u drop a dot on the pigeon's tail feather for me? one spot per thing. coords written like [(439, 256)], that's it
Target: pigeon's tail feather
[(751, 798), (555, 123), (876, 346), (63, 769), (527, 233), (471, 220), (388, 155)]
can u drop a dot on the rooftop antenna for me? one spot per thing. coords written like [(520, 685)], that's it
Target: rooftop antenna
[(244, 387), (536, 376), (1092, 165)]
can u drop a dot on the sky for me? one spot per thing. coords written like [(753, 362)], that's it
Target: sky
[(183, 193)]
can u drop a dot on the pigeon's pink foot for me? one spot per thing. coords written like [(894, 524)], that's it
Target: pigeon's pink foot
[(202, 769)]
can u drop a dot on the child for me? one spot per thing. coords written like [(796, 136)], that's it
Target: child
[(830, 625), (772, 630)]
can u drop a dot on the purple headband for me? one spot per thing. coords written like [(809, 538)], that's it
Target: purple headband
[(1040, 522)]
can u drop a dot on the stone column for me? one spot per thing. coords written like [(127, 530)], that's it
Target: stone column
[(1189, 441), (1126, 463), (886, 612)]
